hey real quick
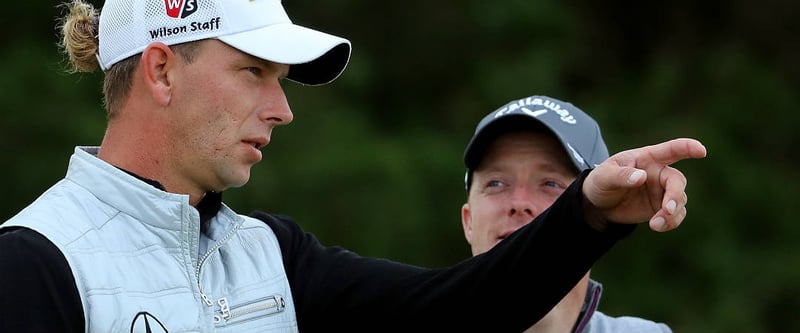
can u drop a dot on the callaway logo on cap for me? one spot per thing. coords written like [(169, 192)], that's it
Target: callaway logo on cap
[(258, 27)]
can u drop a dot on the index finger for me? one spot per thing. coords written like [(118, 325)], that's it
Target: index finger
[(674, 150)]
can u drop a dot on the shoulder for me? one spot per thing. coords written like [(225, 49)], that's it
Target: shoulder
[(42, 280), (601, 322), (291, 237), (20, 244), (282, 225), (31, 256)]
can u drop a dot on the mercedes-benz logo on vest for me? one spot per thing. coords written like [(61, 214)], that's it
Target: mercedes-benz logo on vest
[(144, 322)]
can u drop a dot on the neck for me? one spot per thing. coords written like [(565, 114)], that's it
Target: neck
[(140, 145), (562, 318)]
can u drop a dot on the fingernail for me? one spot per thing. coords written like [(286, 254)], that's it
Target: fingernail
[(658, 223), (634, 177), (671, 205)]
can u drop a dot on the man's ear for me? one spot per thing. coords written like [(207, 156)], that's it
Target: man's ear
[(157, 60), (466, 222)]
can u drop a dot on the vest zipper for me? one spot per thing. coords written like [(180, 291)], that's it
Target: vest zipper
[(268, 305), (208, 253)]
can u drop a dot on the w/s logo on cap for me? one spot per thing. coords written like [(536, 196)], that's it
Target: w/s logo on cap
[(180, 8)]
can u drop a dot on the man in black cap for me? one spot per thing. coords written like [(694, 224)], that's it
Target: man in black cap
[(520, 160)]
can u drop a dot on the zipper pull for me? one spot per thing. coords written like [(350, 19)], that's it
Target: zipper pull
[(280, 303), (205, 298), (225, 308)]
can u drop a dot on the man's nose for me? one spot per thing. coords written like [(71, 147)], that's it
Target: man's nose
[(277, 110), (524, 203)]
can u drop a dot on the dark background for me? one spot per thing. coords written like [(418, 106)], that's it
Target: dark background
[(373, 161)]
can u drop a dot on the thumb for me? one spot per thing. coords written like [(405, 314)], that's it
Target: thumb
[(635, 177), (606, 186)]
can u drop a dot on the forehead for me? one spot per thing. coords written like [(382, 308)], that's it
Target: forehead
[(525, 144), (218, 49)]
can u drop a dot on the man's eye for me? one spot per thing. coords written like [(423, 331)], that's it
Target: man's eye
[(555, 184), (494, 183), (254, 70)]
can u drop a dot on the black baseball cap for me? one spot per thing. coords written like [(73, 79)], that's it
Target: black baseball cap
[(577, 131)]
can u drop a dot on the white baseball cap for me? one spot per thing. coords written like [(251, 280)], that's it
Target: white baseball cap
[(260, 28)]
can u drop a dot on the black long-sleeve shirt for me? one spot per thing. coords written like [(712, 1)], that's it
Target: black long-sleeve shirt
[(503, 290)]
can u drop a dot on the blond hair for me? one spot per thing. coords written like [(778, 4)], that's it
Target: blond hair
[(80, 43)]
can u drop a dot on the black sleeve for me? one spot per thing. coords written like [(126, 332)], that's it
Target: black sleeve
[(37, 289), (506, 289)]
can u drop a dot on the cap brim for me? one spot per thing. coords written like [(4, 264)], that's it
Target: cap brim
[(477, 146), (315, 57)]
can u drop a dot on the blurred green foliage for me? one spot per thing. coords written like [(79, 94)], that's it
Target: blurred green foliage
[(373, 161)]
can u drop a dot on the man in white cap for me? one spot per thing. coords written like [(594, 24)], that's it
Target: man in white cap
[(522, 157), (136, 237)]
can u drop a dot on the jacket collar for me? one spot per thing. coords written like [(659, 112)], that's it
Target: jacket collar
[(593, 293), (142, 198)]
